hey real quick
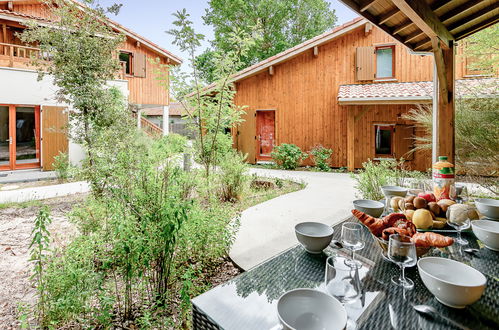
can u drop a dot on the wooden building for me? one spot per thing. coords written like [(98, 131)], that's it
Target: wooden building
[(32, 120), (346, 89)]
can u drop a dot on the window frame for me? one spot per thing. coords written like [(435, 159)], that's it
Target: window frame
[(376, 47), (391, 128), (130, 74)]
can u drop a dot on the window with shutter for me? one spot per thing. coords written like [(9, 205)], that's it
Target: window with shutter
[(364, 63), (139, 65), (404, 142), (385, 61)]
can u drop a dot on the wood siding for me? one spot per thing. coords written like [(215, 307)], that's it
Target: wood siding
[(144, 88), (304, 93), (54, 137)]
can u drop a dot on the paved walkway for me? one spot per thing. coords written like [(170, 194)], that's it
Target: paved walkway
[(25, 176), (268, 228)]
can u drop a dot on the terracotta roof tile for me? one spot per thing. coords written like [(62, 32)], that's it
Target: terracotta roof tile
[(176, 109), (22, 15), (413, 89)]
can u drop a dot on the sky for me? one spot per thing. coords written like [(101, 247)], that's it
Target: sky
[(152, 18)]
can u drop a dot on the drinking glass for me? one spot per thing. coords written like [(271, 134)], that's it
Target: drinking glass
[(460, 226), (351, 237), (342, 281), (402, 251)]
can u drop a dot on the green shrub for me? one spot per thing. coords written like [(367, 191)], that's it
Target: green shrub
[(233, 176), (288, 156), (321, 156), (63, 167)]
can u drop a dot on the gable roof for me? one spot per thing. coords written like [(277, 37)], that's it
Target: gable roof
[(412, 92), (300, 48), (22, 18)]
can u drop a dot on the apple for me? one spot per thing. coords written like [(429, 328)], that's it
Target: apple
[(428, 196)]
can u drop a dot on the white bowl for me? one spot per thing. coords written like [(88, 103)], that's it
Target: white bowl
[(487, 231), (373, 208), (314, 236), (394, 191), (488, 207), (453, 283), (310, 309)]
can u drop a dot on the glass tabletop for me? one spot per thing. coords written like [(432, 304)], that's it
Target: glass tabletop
[(249, 301)]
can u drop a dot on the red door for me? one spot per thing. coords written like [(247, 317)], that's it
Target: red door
[(265, 130)]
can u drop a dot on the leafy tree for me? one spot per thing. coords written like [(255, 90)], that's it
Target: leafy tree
[(282, 24), (81, 63), (211, 110), (483, 47)]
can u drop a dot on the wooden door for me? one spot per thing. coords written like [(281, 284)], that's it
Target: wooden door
[(54, 136), (265, 133)]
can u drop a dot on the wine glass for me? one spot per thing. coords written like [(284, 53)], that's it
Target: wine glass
[(351, 237), (341, 280), (458, 217), (459, 226), (402, 251)]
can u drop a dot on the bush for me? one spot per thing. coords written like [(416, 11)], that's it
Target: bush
[(63, 167), (288, 156), (233, 176), (321, 156)]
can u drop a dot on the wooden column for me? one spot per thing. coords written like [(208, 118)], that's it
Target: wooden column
[(351, 138), (444, 142)]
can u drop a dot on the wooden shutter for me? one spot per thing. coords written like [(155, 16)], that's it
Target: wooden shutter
[(403, 142), (364, 63), (139, 65), (54, 137)]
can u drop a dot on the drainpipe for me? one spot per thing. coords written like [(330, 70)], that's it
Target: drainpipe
[(434, 133), (166, 119)]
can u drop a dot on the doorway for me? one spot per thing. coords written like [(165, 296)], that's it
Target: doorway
[(265, 134), (19, 137)]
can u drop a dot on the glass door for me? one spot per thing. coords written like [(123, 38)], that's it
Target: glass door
[(27, 133), (19, 137), (5, 149)]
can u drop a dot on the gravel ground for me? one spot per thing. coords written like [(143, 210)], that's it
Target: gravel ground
[(16, 224)]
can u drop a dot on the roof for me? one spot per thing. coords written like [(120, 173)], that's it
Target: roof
[(176, 109), (21, 17), (410, 92), (415, 23)]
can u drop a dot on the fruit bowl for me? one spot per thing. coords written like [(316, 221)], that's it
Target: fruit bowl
[(420, 251)]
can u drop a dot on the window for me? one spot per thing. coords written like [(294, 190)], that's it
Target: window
[(383, 138), (385, 62), (126, 61)]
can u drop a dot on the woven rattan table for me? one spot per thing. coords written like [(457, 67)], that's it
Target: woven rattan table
[(249, 300)]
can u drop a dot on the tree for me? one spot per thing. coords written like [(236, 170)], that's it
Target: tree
[(81, 63), (483, 48), (211, 109), (282, 25)]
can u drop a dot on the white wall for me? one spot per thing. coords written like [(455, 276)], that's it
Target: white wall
[(21, 86)]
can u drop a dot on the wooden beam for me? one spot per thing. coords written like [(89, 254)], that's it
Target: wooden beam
[(439, 4), (413, 36), (316, 51), (474, 16), (351, 139), (419, 12), (138, 44), (422, 43), (365, 6), (388, 16), (445, 112), (356, 8), (404, 25), (478, 27), (460, 9), (271, 70)]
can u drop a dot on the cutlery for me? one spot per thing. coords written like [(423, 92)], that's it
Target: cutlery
[(471, 250), (428, 310)]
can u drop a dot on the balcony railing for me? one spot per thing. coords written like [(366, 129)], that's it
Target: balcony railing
[(21, 53)]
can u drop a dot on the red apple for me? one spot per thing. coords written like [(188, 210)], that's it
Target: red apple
[(428, 196)]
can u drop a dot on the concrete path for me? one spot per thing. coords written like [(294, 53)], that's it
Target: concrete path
[(25, 176), (268, 228)]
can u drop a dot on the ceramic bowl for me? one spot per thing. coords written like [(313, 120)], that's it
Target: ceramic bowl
[(453, 283), (373, 208), (487, 231), (314, 236), (310, 309), (394, 191), (488, 207)]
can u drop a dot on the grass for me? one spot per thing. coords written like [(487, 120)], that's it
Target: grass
[(22, 205)]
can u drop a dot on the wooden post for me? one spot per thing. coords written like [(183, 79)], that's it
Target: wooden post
[(166, 119), (11, 62), (444, 142), (351, 138)]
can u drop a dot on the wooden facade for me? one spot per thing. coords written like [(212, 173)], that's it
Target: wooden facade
[(303, 92), (146, 62)]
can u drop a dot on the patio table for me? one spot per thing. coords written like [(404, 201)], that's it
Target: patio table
[(249, 301)]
